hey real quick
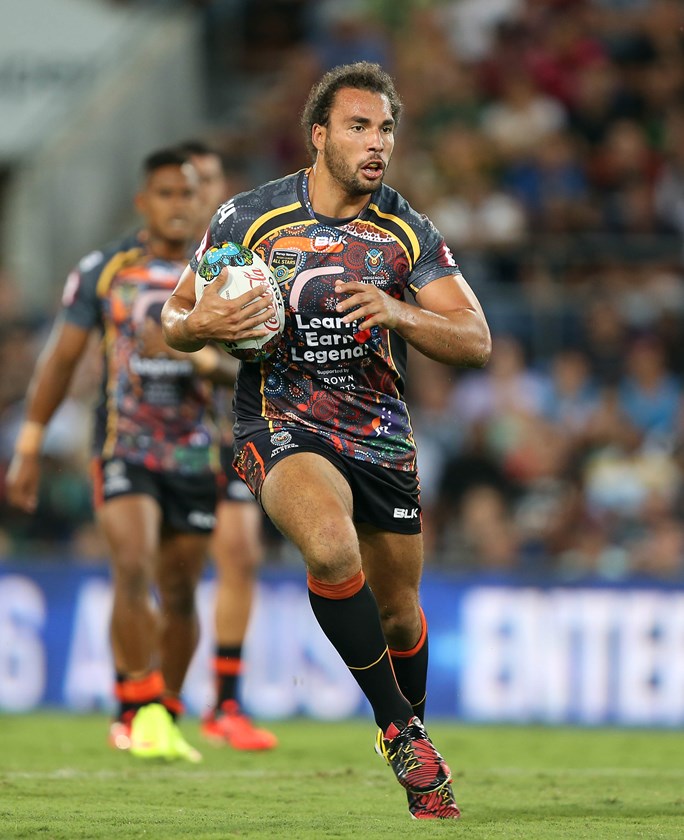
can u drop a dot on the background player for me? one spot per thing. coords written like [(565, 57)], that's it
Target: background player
[(237, 545), (322, 431), (154, 478)]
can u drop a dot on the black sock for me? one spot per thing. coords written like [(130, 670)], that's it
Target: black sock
[(411, 674), (353, 626), (227, 667)]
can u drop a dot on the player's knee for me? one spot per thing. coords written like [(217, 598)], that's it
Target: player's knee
[(177, 597), (331, 550), (238, 558), (401, 625), (132, 579), (178, 603), (333, 562)]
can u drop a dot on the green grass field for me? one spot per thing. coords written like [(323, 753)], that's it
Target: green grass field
[(59, 780)]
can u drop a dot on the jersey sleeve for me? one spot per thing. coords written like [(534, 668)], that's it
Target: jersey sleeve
[(435, 259), (221, 229), (80, 304)]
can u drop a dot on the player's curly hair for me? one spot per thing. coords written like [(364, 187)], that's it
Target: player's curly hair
[(363, 75)]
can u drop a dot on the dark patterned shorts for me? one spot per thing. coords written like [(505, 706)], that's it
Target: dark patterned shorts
[(231, 487), (387, 499), (187, 502)]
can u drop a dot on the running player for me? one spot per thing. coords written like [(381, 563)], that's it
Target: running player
[(154, 478), (322, 431), (237, 544)]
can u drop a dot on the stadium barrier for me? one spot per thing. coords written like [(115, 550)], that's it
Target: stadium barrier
[(587, 655)]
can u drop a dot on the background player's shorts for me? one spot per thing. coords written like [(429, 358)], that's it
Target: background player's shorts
[(187, 502), (231, 487), (387, 499)]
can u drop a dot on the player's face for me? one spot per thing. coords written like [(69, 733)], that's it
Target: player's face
[(170, 203), (358, 141), (212, 187)]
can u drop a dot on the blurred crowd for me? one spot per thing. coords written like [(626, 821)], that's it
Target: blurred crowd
[(545, 139)]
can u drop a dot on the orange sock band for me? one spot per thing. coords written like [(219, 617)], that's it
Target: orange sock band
[(404, 654), (336, 591), (226, 666), (174, 704), (141, 690)]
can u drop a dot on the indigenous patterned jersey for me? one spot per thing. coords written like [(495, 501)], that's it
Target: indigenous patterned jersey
[(327, 376), (153, 409)]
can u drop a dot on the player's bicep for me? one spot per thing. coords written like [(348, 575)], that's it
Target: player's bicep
[(66, 344), (449, 294), (55, 369)]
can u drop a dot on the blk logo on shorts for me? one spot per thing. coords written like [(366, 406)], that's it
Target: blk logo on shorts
[(406, 513), (200, 519)]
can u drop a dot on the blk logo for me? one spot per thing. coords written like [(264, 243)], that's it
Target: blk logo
[(406, 513)]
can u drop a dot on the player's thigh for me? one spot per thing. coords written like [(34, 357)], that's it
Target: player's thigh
[(188, 508), (309, 500), (127, 499), (131, 525)]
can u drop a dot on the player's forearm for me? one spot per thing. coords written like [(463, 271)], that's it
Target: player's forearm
[(179, 330), (48, 387), (461, 338)]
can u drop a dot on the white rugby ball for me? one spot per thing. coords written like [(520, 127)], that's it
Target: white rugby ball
[(245, 271)]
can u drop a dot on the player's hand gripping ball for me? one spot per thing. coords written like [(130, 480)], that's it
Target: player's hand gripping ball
[(246, 270)]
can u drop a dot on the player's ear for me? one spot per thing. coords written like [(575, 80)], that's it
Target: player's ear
[(140, 203), (318, 136)]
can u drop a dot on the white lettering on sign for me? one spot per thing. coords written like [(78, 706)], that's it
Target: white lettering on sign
[(577, 656), (22, 655), (584, 655), (89, 676)]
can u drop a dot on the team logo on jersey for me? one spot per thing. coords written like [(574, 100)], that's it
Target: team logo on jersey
[(229, 253), (374, 260), (283, 265), (281, 438)]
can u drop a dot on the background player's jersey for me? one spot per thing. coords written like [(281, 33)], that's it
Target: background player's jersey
[(153, 409), (326, 376)]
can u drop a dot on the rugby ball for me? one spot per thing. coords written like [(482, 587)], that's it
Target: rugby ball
[(246, 270)]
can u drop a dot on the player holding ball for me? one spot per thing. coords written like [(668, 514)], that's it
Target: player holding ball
[(323, 436)]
